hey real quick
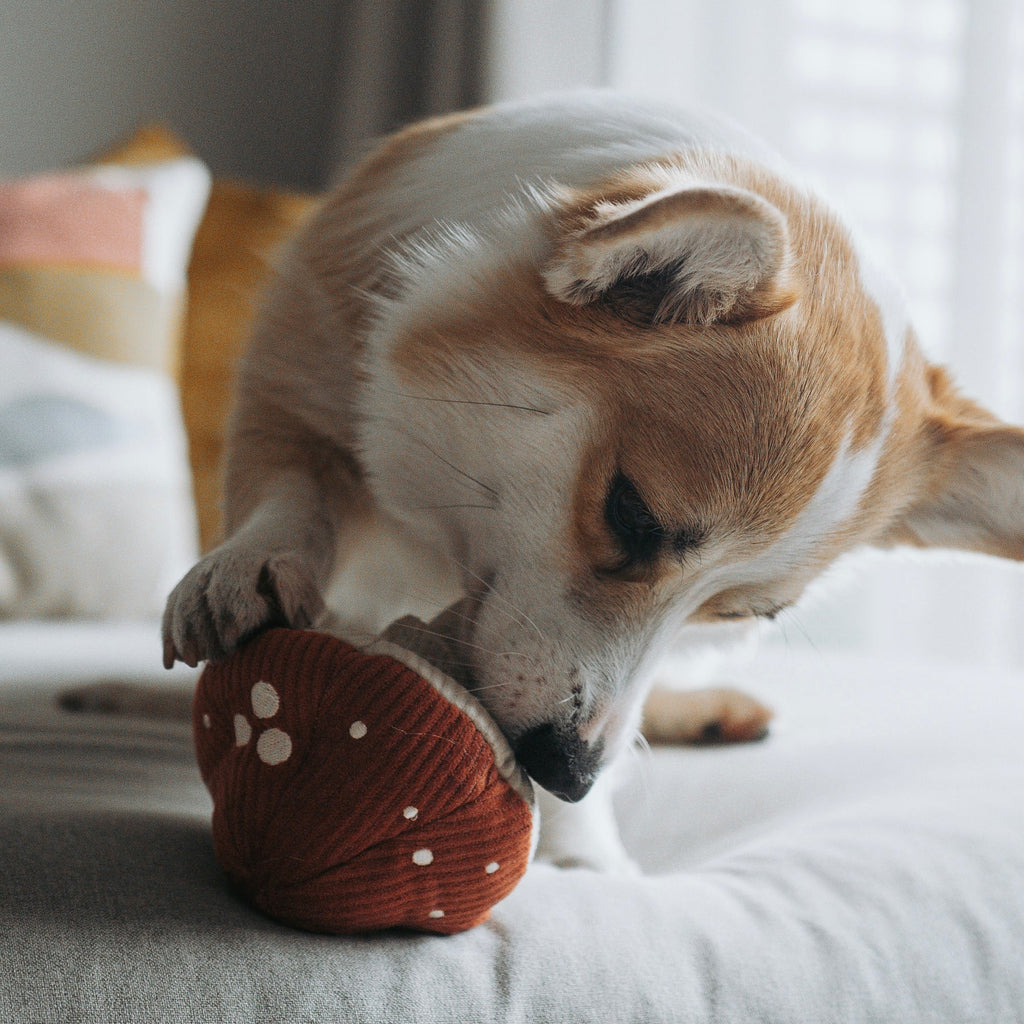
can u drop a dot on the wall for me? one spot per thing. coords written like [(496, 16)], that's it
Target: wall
[(250, 85)]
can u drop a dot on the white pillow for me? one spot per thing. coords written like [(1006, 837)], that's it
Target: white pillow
[(96, 514), (96, 511)]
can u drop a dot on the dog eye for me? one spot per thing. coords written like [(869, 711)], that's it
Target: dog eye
[(766, 613), (631, 522)]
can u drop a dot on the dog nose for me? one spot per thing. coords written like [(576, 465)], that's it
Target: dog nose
[(559, 760)]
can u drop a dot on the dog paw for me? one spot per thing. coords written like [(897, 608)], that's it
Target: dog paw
[(583, 835), (715, 715), (231, 595), (613, 863), (585, 849)]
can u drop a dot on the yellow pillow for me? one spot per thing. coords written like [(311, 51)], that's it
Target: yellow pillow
[(234, 249), (244, 226)]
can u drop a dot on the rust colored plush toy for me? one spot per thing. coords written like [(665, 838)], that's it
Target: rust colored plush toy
[(355, 791)]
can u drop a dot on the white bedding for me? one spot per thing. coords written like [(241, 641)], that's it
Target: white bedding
[(865, 863)]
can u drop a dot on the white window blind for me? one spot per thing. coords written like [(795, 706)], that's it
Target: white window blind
[(910, 116), (876, 89)]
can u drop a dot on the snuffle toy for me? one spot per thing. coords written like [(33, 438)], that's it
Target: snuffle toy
[(360, 789)]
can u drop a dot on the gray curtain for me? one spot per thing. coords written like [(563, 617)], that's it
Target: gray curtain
[(400, 60)]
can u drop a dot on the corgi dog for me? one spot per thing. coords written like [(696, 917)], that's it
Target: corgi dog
[(605, 376)]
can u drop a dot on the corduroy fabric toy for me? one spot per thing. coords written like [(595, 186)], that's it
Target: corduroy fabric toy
[(358, 791)]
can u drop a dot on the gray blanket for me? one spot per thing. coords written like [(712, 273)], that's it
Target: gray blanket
[(866, 863)]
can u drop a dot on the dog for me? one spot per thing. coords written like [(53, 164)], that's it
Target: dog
[(606, 376)]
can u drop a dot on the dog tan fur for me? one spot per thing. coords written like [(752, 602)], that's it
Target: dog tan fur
[(606, 371)]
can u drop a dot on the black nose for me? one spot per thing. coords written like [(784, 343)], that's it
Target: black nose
[(559, 760)]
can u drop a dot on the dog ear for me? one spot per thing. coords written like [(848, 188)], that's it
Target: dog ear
[(973, 499), (694, 254)]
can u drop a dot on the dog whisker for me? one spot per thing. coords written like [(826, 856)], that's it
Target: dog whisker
[(463, 643), (490, 686), (641, 745), (441, 508), (398, 429), (451, 465), (639, 752), (460, 615), (470, 401), (793, 619), (515, 613)]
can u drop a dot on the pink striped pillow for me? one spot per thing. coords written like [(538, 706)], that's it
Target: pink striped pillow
[(96, 512), (71, 219)]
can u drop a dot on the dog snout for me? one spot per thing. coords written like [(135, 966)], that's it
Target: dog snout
[(559, 760)]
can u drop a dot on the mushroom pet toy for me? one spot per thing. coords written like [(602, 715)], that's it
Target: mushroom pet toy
[(360, 789)]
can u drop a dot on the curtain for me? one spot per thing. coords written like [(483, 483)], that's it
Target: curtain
[(910, 116), (401, 60)]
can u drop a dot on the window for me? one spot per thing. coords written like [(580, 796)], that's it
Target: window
[(909, 114)]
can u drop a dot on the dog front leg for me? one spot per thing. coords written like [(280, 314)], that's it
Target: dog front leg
[(268, 573), (287, 494), (586, 834)]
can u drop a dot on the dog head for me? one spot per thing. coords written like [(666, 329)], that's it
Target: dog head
[(665, 402)]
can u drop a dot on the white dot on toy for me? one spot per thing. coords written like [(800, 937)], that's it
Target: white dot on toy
[(410, 813), (243, 731), (265, 701), (357, 730), (274, 747), (436, 914), (492, 867), (423, 857)]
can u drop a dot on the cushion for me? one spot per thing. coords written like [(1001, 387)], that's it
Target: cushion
[(95, 504), (96, 513), (95, 258), (243, 229)]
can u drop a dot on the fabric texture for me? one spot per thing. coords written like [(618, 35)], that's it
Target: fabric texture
[(95, 258), (96, 511), (864, 865), (351, 793), (243, 230), (96, 514)]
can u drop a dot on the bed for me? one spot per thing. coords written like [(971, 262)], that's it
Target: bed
[(865, 863)]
